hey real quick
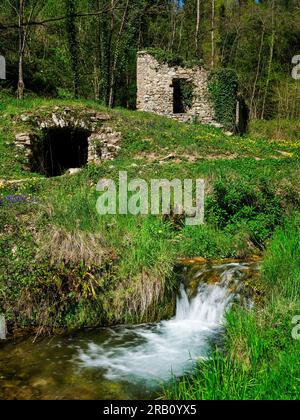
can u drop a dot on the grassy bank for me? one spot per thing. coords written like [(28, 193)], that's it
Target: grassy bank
[(260, 358), (279, 129), (63, 265)]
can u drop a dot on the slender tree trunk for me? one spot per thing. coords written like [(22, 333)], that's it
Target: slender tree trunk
[(212, 34), (73, 43), (180, 34), (20, 91), (108, 25), (98, 58), (197, 25), (173, 24), (257, 70), (104, 55), (270, 61), (116, 57), (24, 28)]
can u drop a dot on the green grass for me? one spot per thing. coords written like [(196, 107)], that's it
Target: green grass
[(122, 266), (280, 129), (260, 359)]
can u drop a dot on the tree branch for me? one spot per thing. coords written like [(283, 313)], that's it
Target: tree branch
[(56, 19)]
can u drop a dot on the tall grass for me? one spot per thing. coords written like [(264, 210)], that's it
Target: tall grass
[(281, 270), (260, 359)]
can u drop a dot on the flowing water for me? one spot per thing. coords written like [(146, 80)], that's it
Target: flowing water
[(127, 362)]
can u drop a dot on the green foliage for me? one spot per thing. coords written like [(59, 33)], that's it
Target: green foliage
[(71, 28), (281, 269), (187, 93), (240, 204), (277, 129), (171, 58), (166, 57), (241, 215), (206, 241), (223, 87)]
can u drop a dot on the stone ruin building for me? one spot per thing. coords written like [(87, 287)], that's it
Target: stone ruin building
[(159, 91)]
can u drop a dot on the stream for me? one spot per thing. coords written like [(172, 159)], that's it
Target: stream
[(128, 362)]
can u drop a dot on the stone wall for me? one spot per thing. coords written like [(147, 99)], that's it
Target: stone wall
[(155, 91), (103, 141)]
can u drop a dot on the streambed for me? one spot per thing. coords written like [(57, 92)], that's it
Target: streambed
[(127, 362)]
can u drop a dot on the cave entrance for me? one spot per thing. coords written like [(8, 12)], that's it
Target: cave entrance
[(62, 149)]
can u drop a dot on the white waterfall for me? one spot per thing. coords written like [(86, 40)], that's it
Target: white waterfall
[(156, 351)]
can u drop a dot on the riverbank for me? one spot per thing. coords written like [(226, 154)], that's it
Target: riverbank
[(260, 356), (129, 361), (63, 266)]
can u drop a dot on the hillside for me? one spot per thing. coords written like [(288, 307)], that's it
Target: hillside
[(63, 266)]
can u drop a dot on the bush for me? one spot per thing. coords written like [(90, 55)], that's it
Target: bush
[(281, 269), (240, 205), (223, 88)]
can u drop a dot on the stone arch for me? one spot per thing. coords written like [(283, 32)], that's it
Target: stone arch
[(67, 140)]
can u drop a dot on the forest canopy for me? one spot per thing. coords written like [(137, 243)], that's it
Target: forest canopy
[(87, 48)]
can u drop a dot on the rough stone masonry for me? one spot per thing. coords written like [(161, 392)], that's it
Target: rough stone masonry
[(155, 90), (104, 142)]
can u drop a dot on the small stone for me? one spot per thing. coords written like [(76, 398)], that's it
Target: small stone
[(25, 118), (22, 137), (14, 250), (74, 171), (3, 329), (169, 157)]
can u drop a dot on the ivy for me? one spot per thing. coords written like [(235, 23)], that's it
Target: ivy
[(168, 57), (223, 88), (187, 95)]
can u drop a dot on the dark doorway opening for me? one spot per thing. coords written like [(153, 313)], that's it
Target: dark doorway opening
[(61, 149), (182, 95), (178, 105)]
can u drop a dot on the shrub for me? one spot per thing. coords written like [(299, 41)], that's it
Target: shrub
[(223, 88), (240, 205)]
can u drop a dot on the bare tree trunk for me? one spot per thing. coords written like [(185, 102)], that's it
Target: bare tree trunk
[(20, 91), (257, 70), (180, 34), (116, 56), (270, 61), (197, 25), (23, 32), (173, 23), (98, 59), (212, 34)]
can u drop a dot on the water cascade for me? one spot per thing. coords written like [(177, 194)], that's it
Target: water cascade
[(154, 352), (128, 362)]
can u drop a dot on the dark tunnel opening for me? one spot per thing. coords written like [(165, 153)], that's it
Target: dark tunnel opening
[(61, 149)]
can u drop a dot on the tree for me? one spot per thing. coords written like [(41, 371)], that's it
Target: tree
[(24, 29), (72, 42)]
